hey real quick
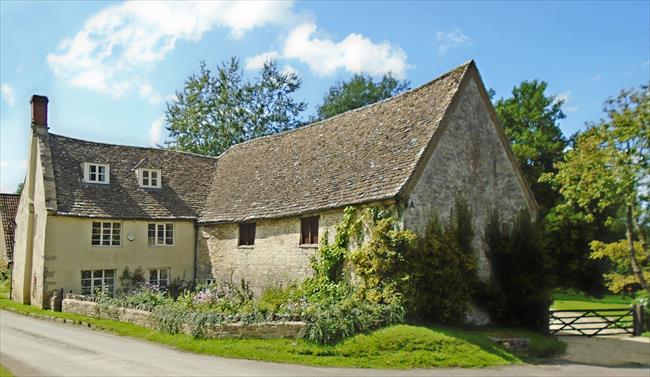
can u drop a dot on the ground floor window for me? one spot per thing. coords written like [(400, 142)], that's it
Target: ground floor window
[(159, 276), (92, 280)]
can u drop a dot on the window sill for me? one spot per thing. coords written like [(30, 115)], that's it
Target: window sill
[(246, 246), (106, 246), (160, 245), (308, 246)]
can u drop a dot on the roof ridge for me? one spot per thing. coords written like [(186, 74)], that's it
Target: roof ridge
[(132, 146), (319, 122)]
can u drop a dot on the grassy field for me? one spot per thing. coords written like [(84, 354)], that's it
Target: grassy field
[(401, 346), (576, 301)]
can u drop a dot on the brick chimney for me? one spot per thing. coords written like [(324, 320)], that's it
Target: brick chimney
[(39, 110)]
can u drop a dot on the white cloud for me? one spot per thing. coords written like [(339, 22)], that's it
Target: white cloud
[(451, 39), (287, 69), (565, 97), (119, 45), (150, 94), (257, 61), (155, 132), (8, 94), (19, 165), (355, 53), (595, 78)]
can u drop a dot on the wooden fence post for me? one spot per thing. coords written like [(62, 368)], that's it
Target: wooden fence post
[(637, 316)]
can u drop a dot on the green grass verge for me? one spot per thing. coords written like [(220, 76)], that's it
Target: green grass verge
[(401, 346), (4, 372)]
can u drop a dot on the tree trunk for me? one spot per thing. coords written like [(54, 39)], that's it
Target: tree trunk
[(637, 227), (629, 229)]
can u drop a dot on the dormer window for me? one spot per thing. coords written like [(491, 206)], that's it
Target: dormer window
[(96, 173), (149, 178)]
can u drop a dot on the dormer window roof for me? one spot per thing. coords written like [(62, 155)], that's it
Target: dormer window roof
[(96, 172), (149, 178)]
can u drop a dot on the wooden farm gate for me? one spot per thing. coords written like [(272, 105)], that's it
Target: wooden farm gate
[(597, 322)]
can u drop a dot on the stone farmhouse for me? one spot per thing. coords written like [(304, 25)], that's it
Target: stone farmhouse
[(8, 209), (257, 211)]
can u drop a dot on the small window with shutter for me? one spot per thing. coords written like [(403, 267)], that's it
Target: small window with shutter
[(246, 234), (309, 230)]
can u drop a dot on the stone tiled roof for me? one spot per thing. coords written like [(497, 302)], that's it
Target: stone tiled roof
[(360, 156), (8, 210), (186, 180)]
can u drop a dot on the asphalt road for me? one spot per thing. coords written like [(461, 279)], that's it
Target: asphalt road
[(33, 347)]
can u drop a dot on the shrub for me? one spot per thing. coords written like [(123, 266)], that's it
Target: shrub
[(519, 283), (333, 321), (443, 269), (380, 262)]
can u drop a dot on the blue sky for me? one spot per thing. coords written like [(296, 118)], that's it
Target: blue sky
[(109, 67)]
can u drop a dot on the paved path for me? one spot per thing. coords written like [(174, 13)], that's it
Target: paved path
[(607, 350), (32, 347)]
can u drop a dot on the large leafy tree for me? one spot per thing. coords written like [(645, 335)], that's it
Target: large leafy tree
[(609, 168), (216, 110), (530, 120), (360, 90)]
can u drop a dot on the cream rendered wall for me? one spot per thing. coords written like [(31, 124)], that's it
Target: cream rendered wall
[(30, 227), (3, 244), (38, 241), (68, 251), (276, 257), (471, 161)]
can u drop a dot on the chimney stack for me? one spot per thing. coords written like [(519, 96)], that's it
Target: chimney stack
[(39, 110)]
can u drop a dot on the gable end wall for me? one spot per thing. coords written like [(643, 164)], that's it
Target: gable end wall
[(468, 160)]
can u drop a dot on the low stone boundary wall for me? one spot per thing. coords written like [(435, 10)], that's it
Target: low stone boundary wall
[(261, 330), (91, 309)]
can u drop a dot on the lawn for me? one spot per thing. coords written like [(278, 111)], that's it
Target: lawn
[(577, 301), (401, 346)]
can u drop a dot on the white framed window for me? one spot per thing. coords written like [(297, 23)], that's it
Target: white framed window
[(106, 233), (150, 178), (159, 276), (93, 280), (96, 173), (161, 234)]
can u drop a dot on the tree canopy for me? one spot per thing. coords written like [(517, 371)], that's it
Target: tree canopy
[(530, 121), (608, 167), (216, 110), (359, 91)]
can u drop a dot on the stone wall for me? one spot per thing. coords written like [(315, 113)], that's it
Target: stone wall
[(91, 309), (470, 161), (276, 258), (262, 330)]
